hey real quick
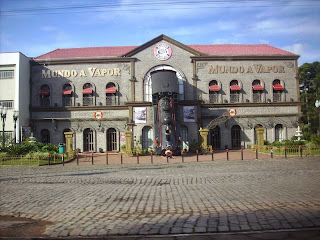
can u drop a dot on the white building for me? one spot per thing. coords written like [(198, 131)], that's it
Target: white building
[(15, 91)]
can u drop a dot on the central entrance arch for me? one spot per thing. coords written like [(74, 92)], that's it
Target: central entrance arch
[(148, 82)]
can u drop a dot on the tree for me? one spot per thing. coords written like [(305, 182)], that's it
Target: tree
[(309, 87)]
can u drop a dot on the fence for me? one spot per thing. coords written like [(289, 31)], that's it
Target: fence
[(289, 151), (119, 158), (50, 159)]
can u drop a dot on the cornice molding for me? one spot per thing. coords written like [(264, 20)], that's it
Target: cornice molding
[(77, 109), (233, 105)]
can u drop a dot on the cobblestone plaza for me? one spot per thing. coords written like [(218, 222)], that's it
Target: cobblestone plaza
[(204, 197)]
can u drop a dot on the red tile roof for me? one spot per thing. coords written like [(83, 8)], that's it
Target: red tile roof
[(217, 49), (87, 52), (240, 49)]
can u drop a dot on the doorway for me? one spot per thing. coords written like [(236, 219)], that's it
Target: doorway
[(88, 143), (236, 137)]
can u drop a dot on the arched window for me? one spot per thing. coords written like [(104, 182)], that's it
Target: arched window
[(184, 137), (148, 82), (215, 138), (279, 132), (44, 96), (214, 91), (87, 95), (88, 143), (236, 137), (111, 94), (45, 136), (234, 91), (257, 91), (147, 138), (277, 90), (111, 139), (67, 95)]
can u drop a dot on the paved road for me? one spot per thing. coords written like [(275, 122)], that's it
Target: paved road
[(204, 197)]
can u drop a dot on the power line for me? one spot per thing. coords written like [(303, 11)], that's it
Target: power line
[(155, 6)]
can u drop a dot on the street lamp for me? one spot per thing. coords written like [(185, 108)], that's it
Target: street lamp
[(15, 118), (317, 104), (3, 111)]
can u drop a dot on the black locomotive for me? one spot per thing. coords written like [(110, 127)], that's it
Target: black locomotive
[(165, 90)]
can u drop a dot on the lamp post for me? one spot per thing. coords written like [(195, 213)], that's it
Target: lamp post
[(15, 118), (317, 104), (3, 111)]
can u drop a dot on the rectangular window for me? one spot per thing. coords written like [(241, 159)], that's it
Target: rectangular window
[(6, 74), (7, 103)]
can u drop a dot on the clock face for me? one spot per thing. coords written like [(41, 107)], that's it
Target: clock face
[(162, 51)]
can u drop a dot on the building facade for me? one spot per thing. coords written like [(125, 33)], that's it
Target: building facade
[(99, 93), (14, 92)]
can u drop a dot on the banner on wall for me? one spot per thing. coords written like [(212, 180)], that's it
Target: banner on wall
[(140, 115), (189, 114), (25, 133)]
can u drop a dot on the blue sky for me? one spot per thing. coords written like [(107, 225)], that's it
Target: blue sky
[(35, 27)]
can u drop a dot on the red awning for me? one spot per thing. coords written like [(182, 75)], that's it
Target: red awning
[(214, 88), (278, 87), (67, 92), (111, 90), (235, 88), (87, 91), (44, 92), (257, 87)]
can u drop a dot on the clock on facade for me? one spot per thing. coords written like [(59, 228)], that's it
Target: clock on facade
[(162, 51)]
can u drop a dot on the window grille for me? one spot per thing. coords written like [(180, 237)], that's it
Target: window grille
[(6, 74), (234, 97), (257, 97), (277, 96), (7, 103)]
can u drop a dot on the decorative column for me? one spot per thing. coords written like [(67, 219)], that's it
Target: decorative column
[(204, 138), (260, 132), (128, 142), (69, 138)]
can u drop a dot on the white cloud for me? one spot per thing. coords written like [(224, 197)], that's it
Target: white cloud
[(297, 48), (307, 53)]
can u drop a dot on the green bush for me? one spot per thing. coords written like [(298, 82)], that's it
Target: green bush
[(27, 147), (195, 146), (123, 148), (3, 154), (50, 148), (266, 142), (315, 139)]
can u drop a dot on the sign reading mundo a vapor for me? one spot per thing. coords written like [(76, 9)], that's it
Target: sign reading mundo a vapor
[(256, 68)]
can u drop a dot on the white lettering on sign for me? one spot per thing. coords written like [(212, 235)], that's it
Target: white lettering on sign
[(93, 72), (257, 68)]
